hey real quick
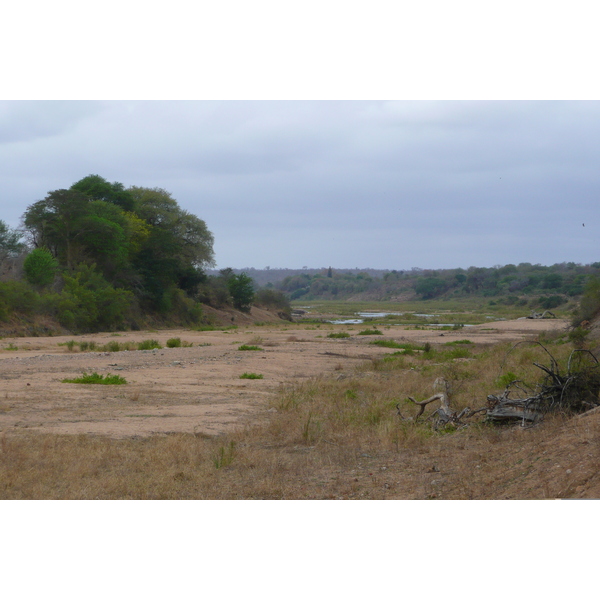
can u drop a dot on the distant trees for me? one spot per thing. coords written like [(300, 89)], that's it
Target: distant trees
[(10, 241), (241, 288), (533, 281), (430, 287)]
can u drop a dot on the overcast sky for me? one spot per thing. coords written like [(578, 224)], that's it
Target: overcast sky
[(392, 185)]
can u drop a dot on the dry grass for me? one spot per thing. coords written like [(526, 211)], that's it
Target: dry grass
[(336, 437)]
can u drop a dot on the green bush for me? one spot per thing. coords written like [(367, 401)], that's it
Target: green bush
[(89, 303), (40, 267), (174, 343), (245, 347), (17, 296), (370, 332), (578, 336), (149, 345), (250, 376), (241, 288), (589, 306), (339, 335), (94, 378), (506, 379)]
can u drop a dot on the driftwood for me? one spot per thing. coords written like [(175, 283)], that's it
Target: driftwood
[(445, 414), (536, 315), (574, 391)]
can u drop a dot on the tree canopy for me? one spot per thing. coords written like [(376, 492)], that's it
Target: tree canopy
[(138, 240)]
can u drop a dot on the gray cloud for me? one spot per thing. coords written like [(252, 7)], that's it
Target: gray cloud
[(380, 184)]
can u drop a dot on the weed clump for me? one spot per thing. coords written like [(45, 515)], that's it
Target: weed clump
[(95, 378), (246, 347), (149, 345), (251, 376), (339, 335), (370, 332)]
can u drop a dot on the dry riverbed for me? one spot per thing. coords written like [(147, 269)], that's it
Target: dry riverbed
[(195, 389)]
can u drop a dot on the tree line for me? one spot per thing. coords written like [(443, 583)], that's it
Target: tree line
[(508, 284), (101, 256)]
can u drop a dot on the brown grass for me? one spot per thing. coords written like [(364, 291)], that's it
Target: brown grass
[(335, 437)]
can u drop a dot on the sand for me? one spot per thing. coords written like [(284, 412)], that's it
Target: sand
[(196, 389)]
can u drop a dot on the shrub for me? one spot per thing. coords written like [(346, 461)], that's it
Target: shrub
[(149, 345), (17, 296), (174, 343), (505, 380), (578, 336), (89, 303), (250, 376), (370, 332), (241, 288), (339, 335), (589, 306), (244, 347), (40, 267), (94, 378)]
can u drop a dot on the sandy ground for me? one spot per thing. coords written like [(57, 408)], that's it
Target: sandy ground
[(196, 389)]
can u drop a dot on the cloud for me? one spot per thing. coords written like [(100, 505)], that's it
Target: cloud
[(27, 121), (367, 183)]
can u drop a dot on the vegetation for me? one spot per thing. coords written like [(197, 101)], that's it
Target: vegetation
[(525, 284), (251, 376), (98, 256), (589, 306), (40, 267), (177, 343), (94, 378), (149, 345), (247, 347), (334, 438)]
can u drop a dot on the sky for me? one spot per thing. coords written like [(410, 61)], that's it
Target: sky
[(348, 184)]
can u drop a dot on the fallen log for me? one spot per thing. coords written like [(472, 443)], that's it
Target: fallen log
[(445, 414), (574, 391)]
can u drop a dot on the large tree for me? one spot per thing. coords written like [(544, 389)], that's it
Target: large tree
[(98, 188), (177, 249), (153, 249)]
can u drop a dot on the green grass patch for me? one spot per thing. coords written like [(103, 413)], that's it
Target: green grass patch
[(245, 347), (177, 343), (149, 345), (457, 342), (370, 332), (94, 378), (251, 376), (339, 335)]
